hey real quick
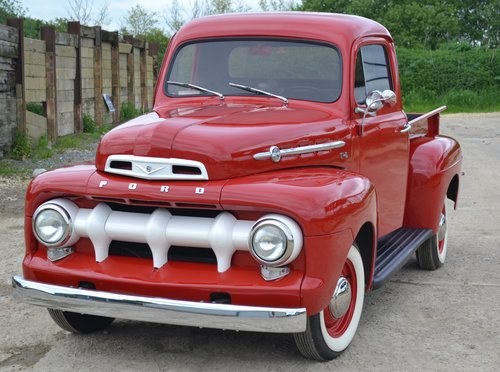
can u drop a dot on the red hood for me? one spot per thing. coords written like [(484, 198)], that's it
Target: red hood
[(225, 137)]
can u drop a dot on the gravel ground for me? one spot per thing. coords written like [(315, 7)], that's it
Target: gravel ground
[(445, 320), (12, 188)]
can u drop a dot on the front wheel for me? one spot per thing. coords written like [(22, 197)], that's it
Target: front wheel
[(79, 323), (331, 331), (432, 253)]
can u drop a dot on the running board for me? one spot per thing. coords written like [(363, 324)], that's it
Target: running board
[(394, 250)]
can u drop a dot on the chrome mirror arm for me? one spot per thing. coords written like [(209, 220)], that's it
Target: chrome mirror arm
[(372, 102)]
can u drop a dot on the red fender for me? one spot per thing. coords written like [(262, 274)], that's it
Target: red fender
[(330, 205), (434, 162)]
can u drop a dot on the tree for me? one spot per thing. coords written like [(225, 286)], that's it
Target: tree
[(82, 11), (102, 18), (225, 6), (479, 22), (413, 23), (11, 9), (174, 17), (277, 5), (139, 21)]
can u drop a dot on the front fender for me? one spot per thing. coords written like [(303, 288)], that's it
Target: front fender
[(322, 200), (434, 162), (330, 205)]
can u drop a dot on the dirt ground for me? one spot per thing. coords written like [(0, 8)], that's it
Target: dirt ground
[(446, 320)]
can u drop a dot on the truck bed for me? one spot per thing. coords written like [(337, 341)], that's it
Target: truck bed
[(425, 124)]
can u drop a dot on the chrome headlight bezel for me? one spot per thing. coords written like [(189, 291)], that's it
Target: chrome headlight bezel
[(291, 240), (65, 220)]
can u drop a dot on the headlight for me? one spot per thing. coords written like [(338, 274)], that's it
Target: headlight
[(52, 225), (275, 240)]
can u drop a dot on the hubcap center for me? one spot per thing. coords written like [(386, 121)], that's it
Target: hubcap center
[(339, 304)]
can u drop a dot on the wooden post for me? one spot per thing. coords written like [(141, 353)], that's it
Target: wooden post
[(153, 53), (144, 87), (115, 77), (130, 72), (50, 106), (99, 102), (74, 28), (20, 85)]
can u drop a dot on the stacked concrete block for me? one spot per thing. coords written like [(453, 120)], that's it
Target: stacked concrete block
[(65, 85)]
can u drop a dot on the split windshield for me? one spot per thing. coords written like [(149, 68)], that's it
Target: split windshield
[(290, 69)]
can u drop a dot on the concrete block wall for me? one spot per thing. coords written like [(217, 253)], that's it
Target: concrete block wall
[(67, 74)]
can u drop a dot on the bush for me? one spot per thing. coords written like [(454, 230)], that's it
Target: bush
[(35, 107), (21, 146), (462, 77), (89, 125), (128, 112), (43, 149)]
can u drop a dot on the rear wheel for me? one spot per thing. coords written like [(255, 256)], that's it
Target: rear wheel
[(79, 323), (331, 331), (432, 253)]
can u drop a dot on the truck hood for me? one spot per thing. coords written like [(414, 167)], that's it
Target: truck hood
[(225, 138)]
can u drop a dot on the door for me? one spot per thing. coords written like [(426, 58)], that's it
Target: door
[(383, 145)]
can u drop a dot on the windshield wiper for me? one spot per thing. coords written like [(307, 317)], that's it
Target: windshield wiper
[(258, 91), (196, 87)]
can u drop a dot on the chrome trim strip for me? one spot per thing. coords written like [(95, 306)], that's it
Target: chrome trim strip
[(150, 168), (160, 310), (275, 153), (427, 115)]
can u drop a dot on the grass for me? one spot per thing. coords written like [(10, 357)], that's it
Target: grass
[(463, 101), (8, 169)]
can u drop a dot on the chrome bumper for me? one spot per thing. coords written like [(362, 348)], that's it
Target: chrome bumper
[(160, 310)]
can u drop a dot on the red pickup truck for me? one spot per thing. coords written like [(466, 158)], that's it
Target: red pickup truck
[(275, 182)]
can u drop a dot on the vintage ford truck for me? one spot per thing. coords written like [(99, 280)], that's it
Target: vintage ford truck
[(276, 181)]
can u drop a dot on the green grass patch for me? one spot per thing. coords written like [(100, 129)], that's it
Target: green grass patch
[(458, 101), (8, 169)]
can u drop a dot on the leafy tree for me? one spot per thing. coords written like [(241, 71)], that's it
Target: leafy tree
[(139, 21), (425, 23), (277, 5), (479, 21), (159, 37), (11, 9)]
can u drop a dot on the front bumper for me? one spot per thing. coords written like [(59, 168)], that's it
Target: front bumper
[(160, 310)]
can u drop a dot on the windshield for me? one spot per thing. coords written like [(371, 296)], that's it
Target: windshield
[(291, 69)]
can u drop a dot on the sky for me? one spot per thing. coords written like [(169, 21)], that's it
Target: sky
[(49, 10)]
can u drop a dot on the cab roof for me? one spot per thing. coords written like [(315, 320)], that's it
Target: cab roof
[(328, 27)]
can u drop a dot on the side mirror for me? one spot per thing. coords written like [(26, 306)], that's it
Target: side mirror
[(377, 99), (374, 101)]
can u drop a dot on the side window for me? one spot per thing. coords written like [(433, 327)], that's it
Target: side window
[(372, 71)]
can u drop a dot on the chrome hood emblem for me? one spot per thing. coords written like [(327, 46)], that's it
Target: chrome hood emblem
[(148, 169)]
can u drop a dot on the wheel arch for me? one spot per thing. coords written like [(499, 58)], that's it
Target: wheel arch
[(366, 242), (452, 192)]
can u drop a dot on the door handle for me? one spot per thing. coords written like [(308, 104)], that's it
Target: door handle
[(406, 128)]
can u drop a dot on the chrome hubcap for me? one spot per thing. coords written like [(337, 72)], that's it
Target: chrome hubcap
[(442, 228), (339, 304)]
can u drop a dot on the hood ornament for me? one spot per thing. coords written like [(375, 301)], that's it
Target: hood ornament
[(275, 153)]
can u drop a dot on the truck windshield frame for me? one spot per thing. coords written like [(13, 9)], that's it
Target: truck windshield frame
[(291, 68)]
